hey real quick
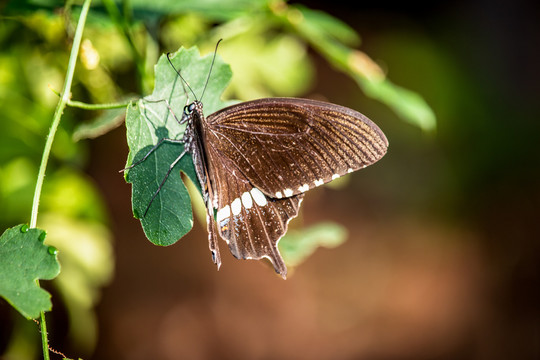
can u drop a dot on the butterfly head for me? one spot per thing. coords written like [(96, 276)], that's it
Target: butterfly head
[(191, 109)]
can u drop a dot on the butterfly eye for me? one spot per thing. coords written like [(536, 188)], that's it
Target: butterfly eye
[(187, 109)]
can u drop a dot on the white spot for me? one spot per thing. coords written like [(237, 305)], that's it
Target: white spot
[(319, 182), (350, 170), (335, 176), (278, 195), (247, 201), (258, 196), (303, 188), (236, 206), (223, 213), (288, 192)]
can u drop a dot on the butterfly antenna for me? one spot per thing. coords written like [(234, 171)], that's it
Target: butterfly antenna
[(181, 77), (211, 66)]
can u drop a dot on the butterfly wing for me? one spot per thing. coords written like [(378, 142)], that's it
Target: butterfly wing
[(264, 154), (249, 221), (286, 146)]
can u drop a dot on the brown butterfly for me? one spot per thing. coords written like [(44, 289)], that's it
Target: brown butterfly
[(255, 160)]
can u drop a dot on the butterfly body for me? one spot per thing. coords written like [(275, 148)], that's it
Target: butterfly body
[(256, 159)]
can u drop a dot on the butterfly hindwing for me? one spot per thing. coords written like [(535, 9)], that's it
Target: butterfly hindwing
[(286, 146), (248, 220)]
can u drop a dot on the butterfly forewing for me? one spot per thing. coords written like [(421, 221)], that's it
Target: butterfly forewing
[(286, 146)]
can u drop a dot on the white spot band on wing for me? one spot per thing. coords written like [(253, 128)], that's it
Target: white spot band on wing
[(303, 188), (223, 213), (236, 206), (247, 201), (258, 196)]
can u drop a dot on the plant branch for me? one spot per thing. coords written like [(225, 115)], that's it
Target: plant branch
[(86, 106), (64, 99), (50, 138)]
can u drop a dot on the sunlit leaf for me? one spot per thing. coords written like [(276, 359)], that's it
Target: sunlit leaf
[(326, 25), (407, 104), (282, 66), (213, 9), (24, 259), (169, 217)]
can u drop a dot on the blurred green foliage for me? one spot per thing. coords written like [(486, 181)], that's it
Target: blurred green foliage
[(34, 57), (265, 41), (297, 245)]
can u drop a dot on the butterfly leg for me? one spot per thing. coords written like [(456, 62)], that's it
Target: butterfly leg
[(154, 148), (171, 167), (168, 107)]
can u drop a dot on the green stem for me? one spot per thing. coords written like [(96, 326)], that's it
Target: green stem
[(44, 339), (50, 138), (86, 106), (82, 105), (64, 99)]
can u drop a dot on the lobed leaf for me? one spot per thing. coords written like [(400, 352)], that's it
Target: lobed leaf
[(24, 259), (149, 120)]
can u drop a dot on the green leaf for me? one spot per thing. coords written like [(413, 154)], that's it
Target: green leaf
[(108, 120), (24, 259), (408, 105), (30, 6), (219, 10), (212, 9), (324, 25), (297, 245), (282, 67), (149, 120)]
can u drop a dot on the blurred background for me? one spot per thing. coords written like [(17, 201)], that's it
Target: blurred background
[(442, 252)]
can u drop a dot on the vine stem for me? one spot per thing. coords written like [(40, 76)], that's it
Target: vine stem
[(50, 138), (64, 99), (86, 106)]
